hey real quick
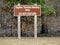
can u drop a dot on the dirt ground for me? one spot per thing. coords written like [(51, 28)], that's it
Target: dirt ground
[(30, 41)]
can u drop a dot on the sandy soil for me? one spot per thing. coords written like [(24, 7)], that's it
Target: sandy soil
[(30, 41)]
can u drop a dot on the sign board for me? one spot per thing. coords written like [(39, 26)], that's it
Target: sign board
[(27, 10)]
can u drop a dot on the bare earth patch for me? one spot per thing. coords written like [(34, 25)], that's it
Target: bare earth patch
[(31, 41)]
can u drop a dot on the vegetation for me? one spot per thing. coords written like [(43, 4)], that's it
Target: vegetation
[(46, 10)]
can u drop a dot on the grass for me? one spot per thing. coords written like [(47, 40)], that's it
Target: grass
[(30, 41)]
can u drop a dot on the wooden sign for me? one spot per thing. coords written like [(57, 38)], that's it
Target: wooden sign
[(27, 10)]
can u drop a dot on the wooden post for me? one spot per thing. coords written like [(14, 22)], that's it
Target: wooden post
[(19, 27), (35, 26)]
